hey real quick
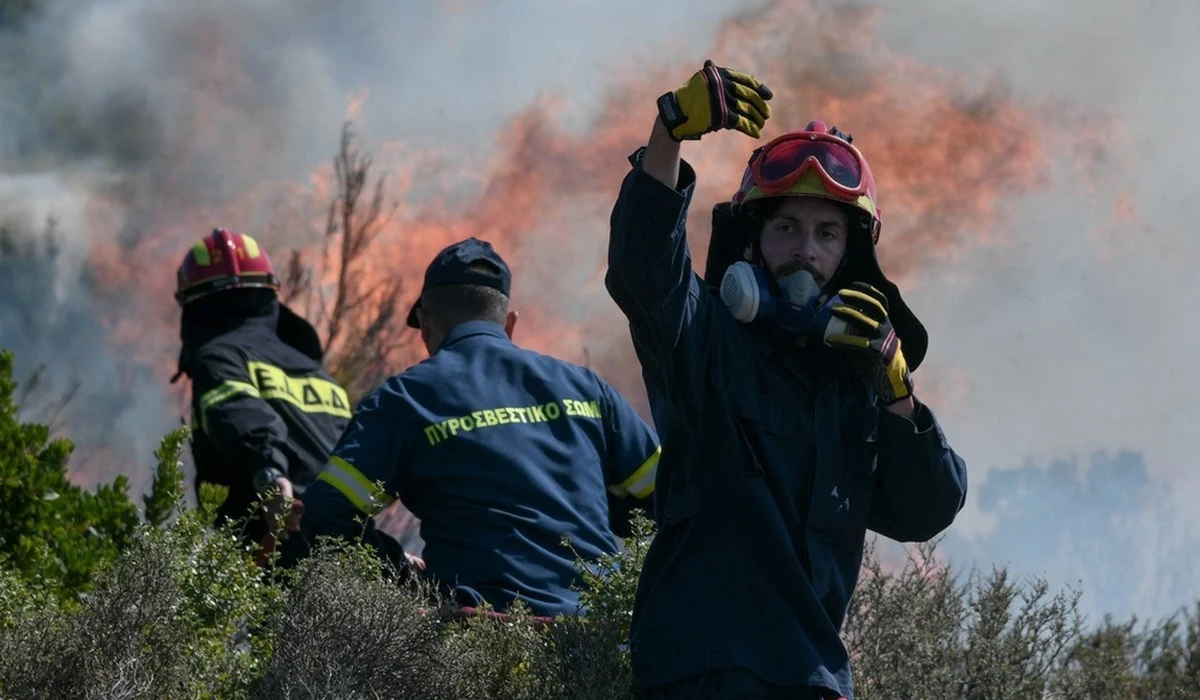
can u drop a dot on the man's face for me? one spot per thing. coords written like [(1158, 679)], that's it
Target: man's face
[(805, 233)]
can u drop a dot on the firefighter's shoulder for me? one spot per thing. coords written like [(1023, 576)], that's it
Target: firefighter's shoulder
[(562, 372), (220, 355)]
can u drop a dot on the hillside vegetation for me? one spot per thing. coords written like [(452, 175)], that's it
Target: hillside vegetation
[(105, 597)]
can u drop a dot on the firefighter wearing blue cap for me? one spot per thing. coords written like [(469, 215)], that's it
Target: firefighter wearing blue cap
[(498, 450)]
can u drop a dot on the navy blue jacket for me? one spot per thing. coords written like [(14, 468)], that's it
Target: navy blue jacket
[(775, 463), (499, 451)]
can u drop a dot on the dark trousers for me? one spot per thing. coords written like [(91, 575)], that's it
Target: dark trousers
[(732, 684)]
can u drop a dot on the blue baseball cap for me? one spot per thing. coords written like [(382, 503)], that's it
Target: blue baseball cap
[(453, 266)]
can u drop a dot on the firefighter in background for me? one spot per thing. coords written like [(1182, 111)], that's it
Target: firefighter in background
[(265, 413), (498, 450), (781, 384)]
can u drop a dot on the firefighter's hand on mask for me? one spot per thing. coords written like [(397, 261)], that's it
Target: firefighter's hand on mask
[(861, 327), (715, 98)]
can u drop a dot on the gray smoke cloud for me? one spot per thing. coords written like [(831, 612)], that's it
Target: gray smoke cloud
[(1074, 336), (132, 119)]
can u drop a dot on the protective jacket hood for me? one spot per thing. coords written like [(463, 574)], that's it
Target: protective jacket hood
[(731, 232), (218, 314)]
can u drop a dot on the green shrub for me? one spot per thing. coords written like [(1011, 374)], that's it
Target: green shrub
[(1118, 660), (158, 624), (49, 527), (97, 603), (920, 633), (344, 630)]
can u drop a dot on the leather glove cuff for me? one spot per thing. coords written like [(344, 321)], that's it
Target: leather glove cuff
[(891, 383), (671, 115)]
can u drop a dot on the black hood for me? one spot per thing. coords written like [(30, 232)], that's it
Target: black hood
[(731, 232), (217, 314)]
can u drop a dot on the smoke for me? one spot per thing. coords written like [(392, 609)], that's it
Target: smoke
[(140, 126), (1031, 161), (1098, 522), (547, 193), (1076, 337)]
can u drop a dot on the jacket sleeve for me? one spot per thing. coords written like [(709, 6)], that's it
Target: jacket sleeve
[(244, 429), (632, 464), (650, 275), (361, 476), (920, 482)]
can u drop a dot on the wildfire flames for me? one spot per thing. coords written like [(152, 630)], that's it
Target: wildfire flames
[(949, 153)]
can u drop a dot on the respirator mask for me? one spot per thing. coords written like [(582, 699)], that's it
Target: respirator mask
[(798, 310)]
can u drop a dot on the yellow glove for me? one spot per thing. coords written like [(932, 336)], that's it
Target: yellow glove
[(715, 98), (860, 326)]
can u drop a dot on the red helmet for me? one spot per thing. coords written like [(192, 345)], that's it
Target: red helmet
[(819, 161), (223, 260)]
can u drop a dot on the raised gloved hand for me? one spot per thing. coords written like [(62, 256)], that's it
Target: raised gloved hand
[(715, 98), (860, 326)]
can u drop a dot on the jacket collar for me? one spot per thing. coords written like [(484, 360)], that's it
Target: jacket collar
[(472, 329), (274, 318), (206, 320)]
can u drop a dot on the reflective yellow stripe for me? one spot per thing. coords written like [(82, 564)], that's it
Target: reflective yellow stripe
[(200, 252), (309, 394), (865, 298), (865, 320), (641, 483), (342, 475), (896, 371), (222, 392), (251, 246)]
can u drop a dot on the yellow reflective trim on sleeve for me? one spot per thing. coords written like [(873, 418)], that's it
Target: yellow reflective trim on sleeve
[(641, 483), (222, 392), (342, 475)]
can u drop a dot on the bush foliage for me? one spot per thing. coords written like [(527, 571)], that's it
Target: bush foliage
[(99, 599), (50, 528)]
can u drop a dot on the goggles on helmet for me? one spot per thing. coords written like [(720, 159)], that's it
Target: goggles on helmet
[(777, 167), (818, 161)]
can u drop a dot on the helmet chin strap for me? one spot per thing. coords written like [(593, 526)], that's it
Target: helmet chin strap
[(855, 239), (758, 260), (756, 256), (836, 279)]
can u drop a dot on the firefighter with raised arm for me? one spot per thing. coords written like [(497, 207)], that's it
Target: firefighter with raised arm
[(265, 413), (781, 383), (500, 451)]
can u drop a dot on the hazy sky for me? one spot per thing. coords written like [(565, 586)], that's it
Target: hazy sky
[(1076, 338)]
